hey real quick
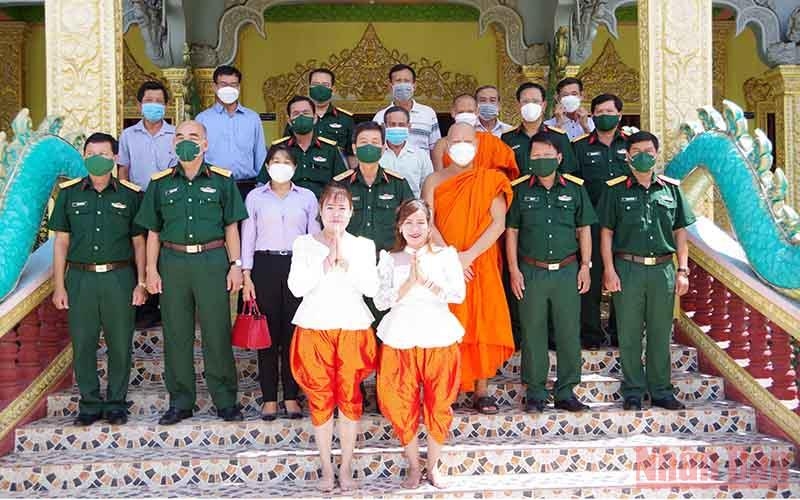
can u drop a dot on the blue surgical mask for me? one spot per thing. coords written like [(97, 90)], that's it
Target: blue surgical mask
[(402, 91), (153, 111), (396, 135)]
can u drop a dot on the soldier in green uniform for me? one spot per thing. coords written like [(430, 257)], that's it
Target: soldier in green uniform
[(644, 218), (377, 192), (95, 241), (601, 156), (532, 101), (192, 213), (333, 123), (547, 212), (318, 159)]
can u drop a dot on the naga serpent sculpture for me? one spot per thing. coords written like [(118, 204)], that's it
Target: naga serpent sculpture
[(740, 164), (30, 165)]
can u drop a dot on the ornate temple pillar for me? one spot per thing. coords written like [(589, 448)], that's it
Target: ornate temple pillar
[(176, 82), (204, 81), (12, 52), (536, 73), (675, 40), (84, 64), (784, 81)]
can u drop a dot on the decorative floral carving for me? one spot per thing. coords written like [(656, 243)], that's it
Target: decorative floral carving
[(12, 44), (509, 77), (133, 77), (610, 74)]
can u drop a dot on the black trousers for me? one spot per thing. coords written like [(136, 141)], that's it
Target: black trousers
[(269, 275)]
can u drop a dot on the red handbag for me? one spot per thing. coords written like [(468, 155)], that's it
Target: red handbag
[(250, 331)]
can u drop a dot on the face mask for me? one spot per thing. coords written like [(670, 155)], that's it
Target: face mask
[(462, 153), (187, 150), (281, 172), (369, 153), (606, 122), (531, 112), (402, 91), (228, 95), (396, 135), (470, 119), (488, 110), (303, 124), (571, 103), (153, 111), (320, 93), (98, 165), (542, 167), (643, 162)]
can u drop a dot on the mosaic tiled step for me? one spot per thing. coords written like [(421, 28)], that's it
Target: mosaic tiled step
[(149, 399), (683, 484), (58, 433), (149, 368), (176, 467)]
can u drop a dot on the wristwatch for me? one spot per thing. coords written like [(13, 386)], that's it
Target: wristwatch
[(684, 270), (587, 264), (236, 263)]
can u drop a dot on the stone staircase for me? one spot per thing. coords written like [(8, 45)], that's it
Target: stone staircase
[(710, 450)]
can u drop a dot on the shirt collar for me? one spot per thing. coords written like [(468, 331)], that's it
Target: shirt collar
[(219, 108), (632, 181), (166, 128), (87, 184), (268, 187), (314, 141), (618, 134), (360, 177), (559, 180), (204, 170), (413, 109)]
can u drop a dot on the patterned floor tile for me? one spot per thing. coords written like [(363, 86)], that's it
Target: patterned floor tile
[(58, 433)]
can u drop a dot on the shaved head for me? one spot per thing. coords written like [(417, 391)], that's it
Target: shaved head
[(461, 132), (464, 103), (191, 128)]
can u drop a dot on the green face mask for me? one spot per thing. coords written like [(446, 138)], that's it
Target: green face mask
[(187, 150), (303, 124), (643, 162), (98, 165), (606, 122), (369, 153), (542, 167), (320, 93)]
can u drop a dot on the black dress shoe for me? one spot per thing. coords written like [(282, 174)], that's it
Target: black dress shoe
[(534, 406), (632, 403), (173, 416), (295, 415), (572, 404), (231, 414), (117, 417), (269, 417), (86, 420), (669, 403)]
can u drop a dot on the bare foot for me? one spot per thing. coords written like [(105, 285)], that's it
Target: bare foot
[(412, 478), (327, 482), (346, 481), (435, 478)]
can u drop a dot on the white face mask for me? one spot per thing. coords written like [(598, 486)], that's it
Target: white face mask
[(470, 119), (228, 95), (571, 103), (280, 172), (462, 153), (531, 112)]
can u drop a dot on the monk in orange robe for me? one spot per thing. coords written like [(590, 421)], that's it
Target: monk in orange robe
[(492, 151), (469, 209)]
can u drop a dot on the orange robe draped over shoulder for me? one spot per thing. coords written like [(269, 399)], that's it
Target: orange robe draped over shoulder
[(492, 153), (461, 214)]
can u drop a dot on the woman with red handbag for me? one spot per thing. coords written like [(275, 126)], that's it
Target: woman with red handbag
[(333, 348), (420, 335), (279, 212)]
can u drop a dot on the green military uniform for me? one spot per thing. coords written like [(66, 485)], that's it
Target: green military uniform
[(520, 142), (547, 221), (643, 221), (193, 212), (100, 227), (316, 166), (598, 163), (337, 125)]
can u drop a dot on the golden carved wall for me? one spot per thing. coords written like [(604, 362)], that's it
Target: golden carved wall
[(12, 48), (609, 73), (675, 44), (84, 64), (133, 77), (361, 79), (509, 77)]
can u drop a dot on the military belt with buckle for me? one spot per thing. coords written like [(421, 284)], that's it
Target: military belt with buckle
[(647, 261), (99, 268), (550, 266), (199, 248)]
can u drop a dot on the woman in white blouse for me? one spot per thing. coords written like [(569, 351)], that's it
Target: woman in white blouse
[(333, 348), (420, 336)]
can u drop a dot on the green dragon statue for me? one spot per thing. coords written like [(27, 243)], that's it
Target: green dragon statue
[(30, 165), (740, 164)]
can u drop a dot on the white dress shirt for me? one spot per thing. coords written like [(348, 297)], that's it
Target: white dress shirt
[(412, 163), (333, 300), (498, 130), (420, 318), (424, 129), (573, 128)]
